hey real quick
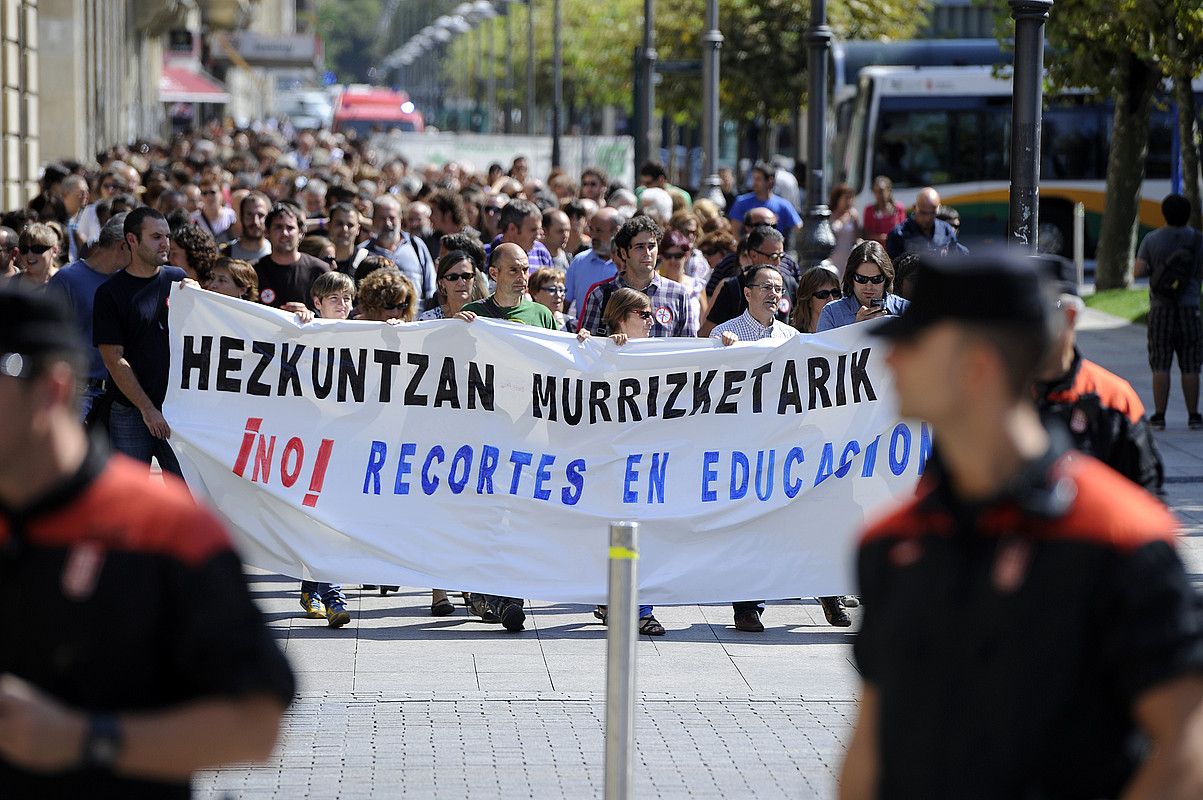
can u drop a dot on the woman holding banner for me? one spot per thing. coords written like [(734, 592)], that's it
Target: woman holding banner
[(458, 283), (629, 314)]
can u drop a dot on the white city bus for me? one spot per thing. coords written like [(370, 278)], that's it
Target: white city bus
[(950, 127)]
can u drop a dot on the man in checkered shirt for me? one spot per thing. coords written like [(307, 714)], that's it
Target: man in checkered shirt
[(763, 286), (636, 245)]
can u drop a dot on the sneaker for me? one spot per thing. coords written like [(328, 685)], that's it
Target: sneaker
[(1196, 422), (749, 621), (833, 609), (1157, 422), (337, 614), (512, 616), (312, 603)]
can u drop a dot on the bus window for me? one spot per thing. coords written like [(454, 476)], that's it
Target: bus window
[(912, 147), (1073, 143), (1159, 161)]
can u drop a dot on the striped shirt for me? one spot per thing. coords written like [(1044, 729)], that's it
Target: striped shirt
[(748, 329), (671, 310)]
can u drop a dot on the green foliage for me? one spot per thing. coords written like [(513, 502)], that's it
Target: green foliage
[(348, 29), (763, 65)]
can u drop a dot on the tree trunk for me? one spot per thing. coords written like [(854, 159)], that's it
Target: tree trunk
[(1125, 172), (1188, 134)]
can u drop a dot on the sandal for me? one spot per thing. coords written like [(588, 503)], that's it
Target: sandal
[(650, 626), (443, 608)]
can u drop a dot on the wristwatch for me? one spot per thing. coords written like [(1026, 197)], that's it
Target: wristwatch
[(102, 744)]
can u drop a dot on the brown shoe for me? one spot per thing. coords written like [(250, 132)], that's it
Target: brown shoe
[(833, 609), (749, 621)]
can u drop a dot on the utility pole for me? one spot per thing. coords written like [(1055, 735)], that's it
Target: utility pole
[(817, 238), (557, 96), (530, 67), (712, 42), (1023, 221)]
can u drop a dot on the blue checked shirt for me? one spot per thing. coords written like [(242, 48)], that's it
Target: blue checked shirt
[(748, 329), (671, 310)]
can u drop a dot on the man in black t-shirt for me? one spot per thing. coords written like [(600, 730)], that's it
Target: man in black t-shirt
[(764, 246), (129, 326), (286, 274)]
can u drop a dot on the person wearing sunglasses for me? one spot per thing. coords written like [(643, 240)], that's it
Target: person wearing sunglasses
[(458, 284), (764, 246), (868, 289), (675, 252), (387, 296), (213, 214), (37, 253), (818, 287), (547, 287)]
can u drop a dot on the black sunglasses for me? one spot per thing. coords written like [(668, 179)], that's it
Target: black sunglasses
[(643, 314), (878, 278), (397, 306), (456, 277), (36, 249), (825, 294)]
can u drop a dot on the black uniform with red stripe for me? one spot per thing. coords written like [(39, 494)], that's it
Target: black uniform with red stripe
[(130, 599), (1106, 419), (1008, 640)]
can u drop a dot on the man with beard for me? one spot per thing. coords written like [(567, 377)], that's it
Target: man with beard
[(129, 326), (252, 245), (286, 274)]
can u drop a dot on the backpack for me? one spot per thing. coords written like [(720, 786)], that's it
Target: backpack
[(1170, 278)]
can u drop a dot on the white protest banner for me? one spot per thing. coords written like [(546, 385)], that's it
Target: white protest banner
[(492, 456)]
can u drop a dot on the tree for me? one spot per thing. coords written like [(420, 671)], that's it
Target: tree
[(1183, 48), (348, 29), (1124, 49)]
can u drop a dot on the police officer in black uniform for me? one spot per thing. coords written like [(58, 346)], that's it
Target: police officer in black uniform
[(131, 653), (1029, 629), (1101, 411)]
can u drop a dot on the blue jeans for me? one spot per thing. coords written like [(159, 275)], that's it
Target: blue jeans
[(130, 436), (329, 592), (86, 398)]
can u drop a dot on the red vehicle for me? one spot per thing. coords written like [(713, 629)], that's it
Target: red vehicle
[(373, 109)]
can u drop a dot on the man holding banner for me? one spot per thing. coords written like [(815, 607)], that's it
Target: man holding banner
[(510, 272), (1027, 619)]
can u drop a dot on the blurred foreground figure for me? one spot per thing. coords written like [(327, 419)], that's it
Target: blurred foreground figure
[(1029, 629), (137, 656)]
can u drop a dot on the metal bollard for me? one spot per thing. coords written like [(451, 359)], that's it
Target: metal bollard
[(1080, 242), (621, 636)]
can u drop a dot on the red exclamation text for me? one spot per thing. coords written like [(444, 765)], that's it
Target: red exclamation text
[(319, 473), (248, 440)]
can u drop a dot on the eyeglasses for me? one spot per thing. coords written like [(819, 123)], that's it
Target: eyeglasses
[(767, 288), (456, 277), (770, 256), (827, 294), (863, 279), (208, 192), (36, 249), (675, 255), (397, 306), (643, 314), (554, 290)]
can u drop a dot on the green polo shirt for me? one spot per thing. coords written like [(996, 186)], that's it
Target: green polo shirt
[(527, 312)]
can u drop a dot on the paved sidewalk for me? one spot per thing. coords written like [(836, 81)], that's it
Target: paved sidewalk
[(401, 704)]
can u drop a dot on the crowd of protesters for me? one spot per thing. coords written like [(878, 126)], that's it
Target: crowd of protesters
[(326, 226)]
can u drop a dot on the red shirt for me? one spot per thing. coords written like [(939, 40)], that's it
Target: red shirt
[(877, 223)]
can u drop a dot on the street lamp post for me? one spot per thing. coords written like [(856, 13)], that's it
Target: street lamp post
[(645, 140), (530, 67), (1023, 221), (818, 241), (508, 122), (490, 77), (557, 96), (712, 41)]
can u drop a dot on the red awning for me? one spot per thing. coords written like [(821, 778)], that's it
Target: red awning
[(180, 84)]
